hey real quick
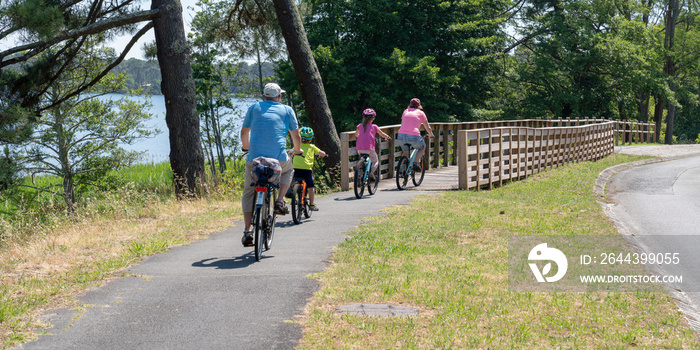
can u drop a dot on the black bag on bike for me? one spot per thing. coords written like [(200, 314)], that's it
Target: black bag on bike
[(266, 170)]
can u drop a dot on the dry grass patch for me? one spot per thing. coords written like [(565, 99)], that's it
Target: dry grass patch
[(50, 269)]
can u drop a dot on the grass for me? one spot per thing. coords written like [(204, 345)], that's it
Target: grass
[(447, 255)]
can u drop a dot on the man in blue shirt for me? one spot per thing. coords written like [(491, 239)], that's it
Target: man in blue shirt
[(264, 133)]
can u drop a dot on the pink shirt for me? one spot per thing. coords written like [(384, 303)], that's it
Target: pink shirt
[(365, 139), (411, 121)]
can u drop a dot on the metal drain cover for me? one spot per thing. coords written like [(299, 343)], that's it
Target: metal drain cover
[(378, 310)]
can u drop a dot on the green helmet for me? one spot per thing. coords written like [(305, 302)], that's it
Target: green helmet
[(306, 133)]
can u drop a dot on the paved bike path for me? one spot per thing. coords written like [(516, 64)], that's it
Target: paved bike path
[(213, 294)]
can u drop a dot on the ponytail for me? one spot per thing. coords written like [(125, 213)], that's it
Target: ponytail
[(366, 120)]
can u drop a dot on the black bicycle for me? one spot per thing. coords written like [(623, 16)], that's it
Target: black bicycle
[(264, 216), (362, 176)]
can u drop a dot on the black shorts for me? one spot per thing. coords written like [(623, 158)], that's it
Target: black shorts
[(307, 175)]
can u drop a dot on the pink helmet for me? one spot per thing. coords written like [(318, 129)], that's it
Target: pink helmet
[(369, 112), (415, 102)]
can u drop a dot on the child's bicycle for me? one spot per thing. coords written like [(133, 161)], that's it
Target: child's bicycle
[(362, 176), (300, 200), (405, 169)]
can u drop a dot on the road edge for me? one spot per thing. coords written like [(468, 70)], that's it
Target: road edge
[(684, 304)]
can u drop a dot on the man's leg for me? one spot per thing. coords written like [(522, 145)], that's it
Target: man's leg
[(285, 182), (247, 219), (283, 190), (247, 205)]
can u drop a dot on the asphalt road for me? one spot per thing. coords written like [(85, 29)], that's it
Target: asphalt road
[(659, 203), (212, 294)]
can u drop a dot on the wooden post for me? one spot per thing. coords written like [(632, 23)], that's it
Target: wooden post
[(392, 154), (344, 161), (539, 160), (478, 159), (378, 149), (455, 131), (500, 156), (462, 159), (490, 168), (445, 146)]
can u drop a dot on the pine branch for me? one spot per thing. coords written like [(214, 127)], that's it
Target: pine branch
[(95, 28), (116, 62)]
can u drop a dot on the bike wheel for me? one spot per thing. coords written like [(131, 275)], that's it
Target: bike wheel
[(401, 173), (307, 210), (297, 205), (372, 185), (271, 220), (418, 176), (359, 180), (259, 231)]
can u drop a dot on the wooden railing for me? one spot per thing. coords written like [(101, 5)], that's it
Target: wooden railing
[(628, 132), (442, 151), (488, 157)]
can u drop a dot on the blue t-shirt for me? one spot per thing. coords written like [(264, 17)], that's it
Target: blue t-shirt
[(269, 123)]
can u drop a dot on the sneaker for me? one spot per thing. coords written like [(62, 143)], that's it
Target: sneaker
[(416, 167), (247, 239), (313, 207), (281, 208)]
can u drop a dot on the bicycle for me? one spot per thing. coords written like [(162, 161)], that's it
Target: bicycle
[(362, 178), (405, 169), (300, 200), (264, 216)]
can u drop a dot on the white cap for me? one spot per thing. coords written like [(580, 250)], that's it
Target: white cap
[(272, 90)]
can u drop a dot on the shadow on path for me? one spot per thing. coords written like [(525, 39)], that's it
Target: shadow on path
[(239, 262)]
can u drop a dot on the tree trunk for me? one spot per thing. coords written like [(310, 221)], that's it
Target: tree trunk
[(216, 127), (69, 193), (209, 153), (669, 123), (186, 155), (659, 103), (643, 106), (260, 76), (643, 110), (312, 91), (672, 14)]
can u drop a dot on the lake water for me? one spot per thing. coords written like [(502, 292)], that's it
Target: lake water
[(157, 149)]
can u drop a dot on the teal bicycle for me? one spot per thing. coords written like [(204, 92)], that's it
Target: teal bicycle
[(409, 168), (362, 176)]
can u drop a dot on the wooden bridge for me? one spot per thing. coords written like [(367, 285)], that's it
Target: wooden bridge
[(489, 153)]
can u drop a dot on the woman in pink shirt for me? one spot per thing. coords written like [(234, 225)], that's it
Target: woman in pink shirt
[(409, 133), (365, 137)]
